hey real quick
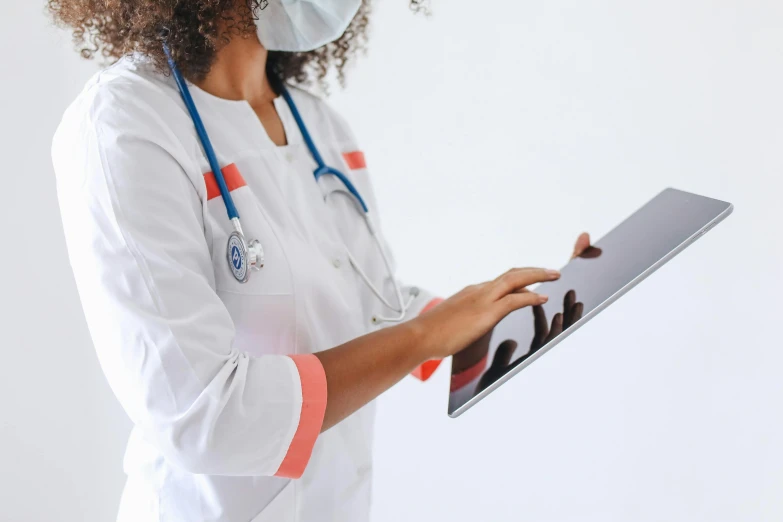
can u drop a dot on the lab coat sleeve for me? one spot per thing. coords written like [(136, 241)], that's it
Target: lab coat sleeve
[(133, 223), (424, 302)]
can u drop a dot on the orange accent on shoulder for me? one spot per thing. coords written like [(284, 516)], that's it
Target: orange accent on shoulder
[(234, 180), (355, 160)]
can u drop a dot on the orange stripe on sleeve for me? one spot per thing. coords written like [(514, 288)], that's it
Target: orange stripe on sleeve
[(426, 369), (234, 180), (313, 378), (432, 304), (355, 160)]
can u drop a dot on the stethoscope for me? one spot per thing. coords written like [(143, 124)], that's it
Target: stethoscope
[(244, 256)]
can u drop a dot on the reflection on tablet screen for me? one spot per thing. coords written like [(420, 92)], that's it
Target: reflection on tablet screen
[(658, 228), (472, 369)]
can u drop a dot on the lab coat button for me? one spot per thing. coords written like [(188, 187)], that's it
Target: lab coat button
[(337, 263)]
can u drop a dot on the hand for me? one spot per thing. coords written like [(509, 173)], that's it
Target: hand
[(474, 311), (501, 361)]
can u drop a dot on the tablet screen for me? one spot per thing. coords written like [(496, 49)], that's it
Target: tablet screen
[(616, 261)]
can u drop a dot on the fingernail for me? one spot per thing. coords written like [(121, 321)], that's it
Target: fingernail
[(553, 273), (543, 299)]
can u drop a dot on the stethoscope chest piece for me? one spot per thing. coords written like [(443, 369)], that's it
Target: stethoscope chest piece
[(237, 256), (243, 257)]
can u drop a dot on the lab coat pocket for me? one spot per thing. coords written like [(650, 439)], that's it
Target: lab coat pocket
[(274, 278), (262, 308)]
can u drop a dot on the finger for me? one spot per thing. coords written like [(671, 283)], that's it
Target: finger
[(569, 299), (557, 328), (541, 327), (517, 300), (518, 278), (513, 274), (579, 309), (582, 243), (540, 322), (503, 354), (568, 303)]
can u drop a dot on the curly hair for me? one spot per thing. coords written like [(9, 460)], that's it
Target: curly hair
[(195, 32)]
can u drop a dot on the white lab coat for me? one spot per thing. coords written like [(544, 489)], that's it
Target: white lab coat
[(218, 377)]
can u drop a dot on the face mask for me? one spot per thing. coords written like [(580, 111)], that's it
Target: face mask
[(303, 25)]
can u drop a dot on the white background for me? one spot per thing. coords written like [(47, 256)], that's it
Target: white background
[(495, 131)]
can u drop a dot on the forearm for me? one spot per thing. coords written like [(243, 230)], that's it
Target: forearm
[(360, 370)]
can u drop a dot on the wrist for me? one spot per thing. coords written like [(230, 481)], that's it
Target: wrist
[(417, 343), (421, 342)]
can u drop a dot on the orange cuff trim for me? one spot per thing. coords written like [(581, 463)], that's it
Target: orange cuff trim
[(313, 378), (355, 160), (234, 180), (432, 304), (427, 368), (462, 379)]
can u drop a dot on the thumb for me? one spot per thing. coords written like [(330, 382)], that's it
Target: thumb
[(582, 244)]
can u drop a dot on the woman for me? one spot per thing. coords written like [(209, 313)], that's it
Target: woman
[(237, 386)]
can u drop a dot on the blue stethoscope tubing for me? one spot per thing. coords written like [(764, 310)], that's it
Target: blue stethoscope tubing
[(322, 168), (206, 143), (253, 251)]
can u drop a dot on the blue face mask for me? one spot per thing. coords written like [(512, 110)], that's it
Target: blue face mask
[(303, 25)]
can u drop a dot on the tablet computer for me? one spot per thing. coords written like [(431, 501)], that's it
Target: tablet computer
[(617, 262)]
